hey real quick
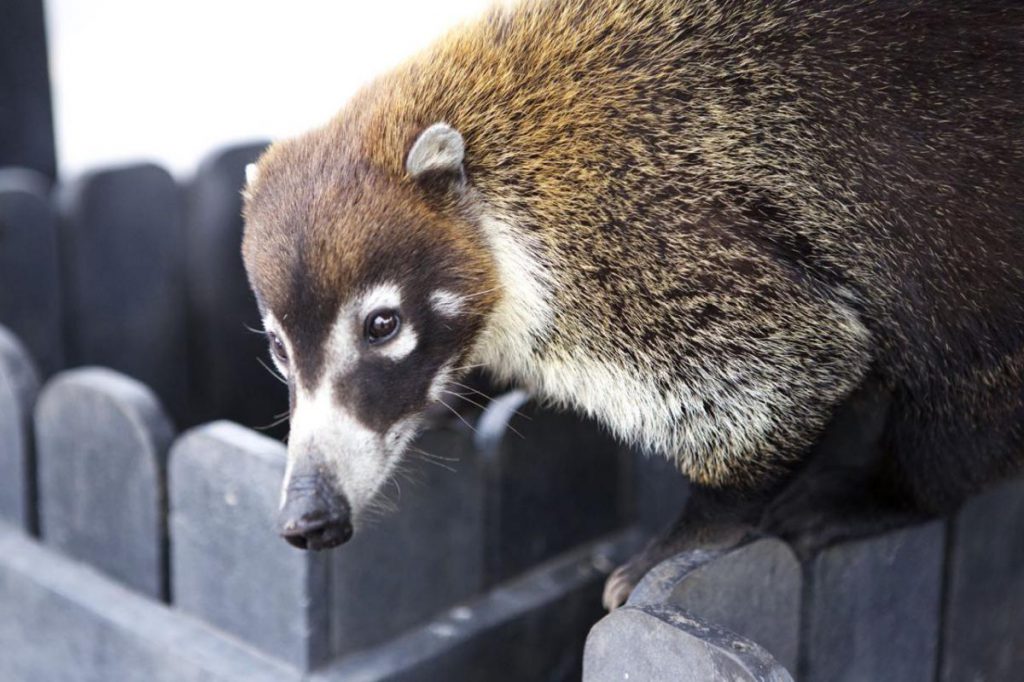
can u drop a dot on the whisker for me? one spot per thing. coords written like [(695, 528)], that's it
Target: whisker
[(514, 430), (488, 397), (421, 451), (473, 402), (482, 407), (380, 506), (470, 388), (481, 293), (411, 476), (272, 372), (276, 422), (463, 397), (433, 459), (456, 413), (467, 367), (438, 464)]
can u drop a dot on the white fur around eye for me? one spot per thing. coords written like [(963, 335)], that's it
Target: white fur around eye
[(381, 296), (447, 303), (401, 345)]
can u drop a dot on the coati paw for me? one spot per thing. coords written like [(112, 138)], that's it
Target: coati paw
[(620, 584), (623, 579), (819, 512), (810, 532)]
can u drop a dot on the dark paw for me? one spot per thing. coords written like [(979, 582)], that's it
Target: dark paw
[(808, 531), (623, 579)]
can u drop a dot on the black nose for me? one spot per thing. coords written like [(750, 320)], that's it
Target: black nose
[(315, 515)]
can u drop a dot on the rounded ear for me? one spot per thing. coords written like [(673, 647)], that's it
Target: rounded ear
[(252, 173), (439, 150)]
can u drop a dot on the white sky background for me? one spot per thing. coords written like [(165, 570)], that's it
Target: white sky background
[(170, 81)]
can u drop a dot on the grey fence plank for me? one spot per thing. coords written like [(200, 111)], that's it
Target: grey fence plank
[(531, 628), (101, 444), (122, 247), (657, 642), (30, 304), (657, 490), (984, 616), (407, 566), (19, 385), (64, 622), (544, 466), (753, 590), (227, 379), (26, 116), (872, 608), (228, 566)]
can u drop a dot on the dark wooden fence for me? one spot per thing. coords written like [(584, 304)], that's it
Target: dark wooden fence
[(127, 349), (136, 538)]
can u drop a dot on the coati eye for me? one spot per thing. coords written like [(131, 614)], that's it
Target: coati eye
[(381, 325), (277, 348)]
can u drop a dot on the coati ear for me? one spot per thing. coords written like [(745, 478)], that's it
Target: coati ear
[(252, 173), (438, 151)]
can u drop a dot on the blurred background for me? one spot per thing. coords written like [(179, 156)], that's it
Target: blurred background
[(169, 81)]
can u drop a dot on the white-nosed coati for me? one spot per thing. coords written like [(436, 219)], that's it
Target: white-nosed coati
[(703, 223)]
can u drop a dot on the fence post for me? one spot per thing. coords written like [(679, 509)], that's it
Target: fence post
[(224, 352), (30, 302), (102, 443), (983, 622), (872, 608), (528, 628), (544, 466), (646, 642), (19, 385), (658, 490), (228, 566), (124, 289), (26, 116), (406, 566), (753, 590), (61, 621)]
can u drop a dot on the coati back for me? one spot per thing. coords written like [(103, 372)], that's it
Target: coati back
[(703, 223)]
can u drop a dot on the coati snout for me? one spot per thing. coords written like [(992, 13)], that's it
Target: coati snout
[(314, 513)]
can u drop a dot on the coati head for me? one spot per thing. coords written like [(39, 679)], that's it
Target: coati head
[(373, 284)]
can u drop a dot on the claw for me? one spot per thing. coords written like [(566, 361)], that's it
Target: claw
[(617, 588)]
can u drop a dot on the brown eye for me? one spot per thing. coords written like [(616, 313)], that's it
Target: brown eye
[(381, 325), (277, 348)]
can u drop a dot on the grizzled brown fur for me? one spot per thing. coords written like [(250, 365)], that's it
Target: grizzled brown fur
[(750, 204)]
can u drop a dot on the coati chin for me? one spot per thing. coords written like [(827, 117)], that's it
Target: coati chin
[(704, 223)]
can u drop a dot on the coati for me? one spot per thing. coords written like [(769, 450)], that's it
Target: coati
[(704, 223)]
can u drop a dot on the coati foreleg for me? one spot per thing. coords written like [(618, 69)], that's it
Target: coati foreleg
[(844, 487), (712, 518)]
